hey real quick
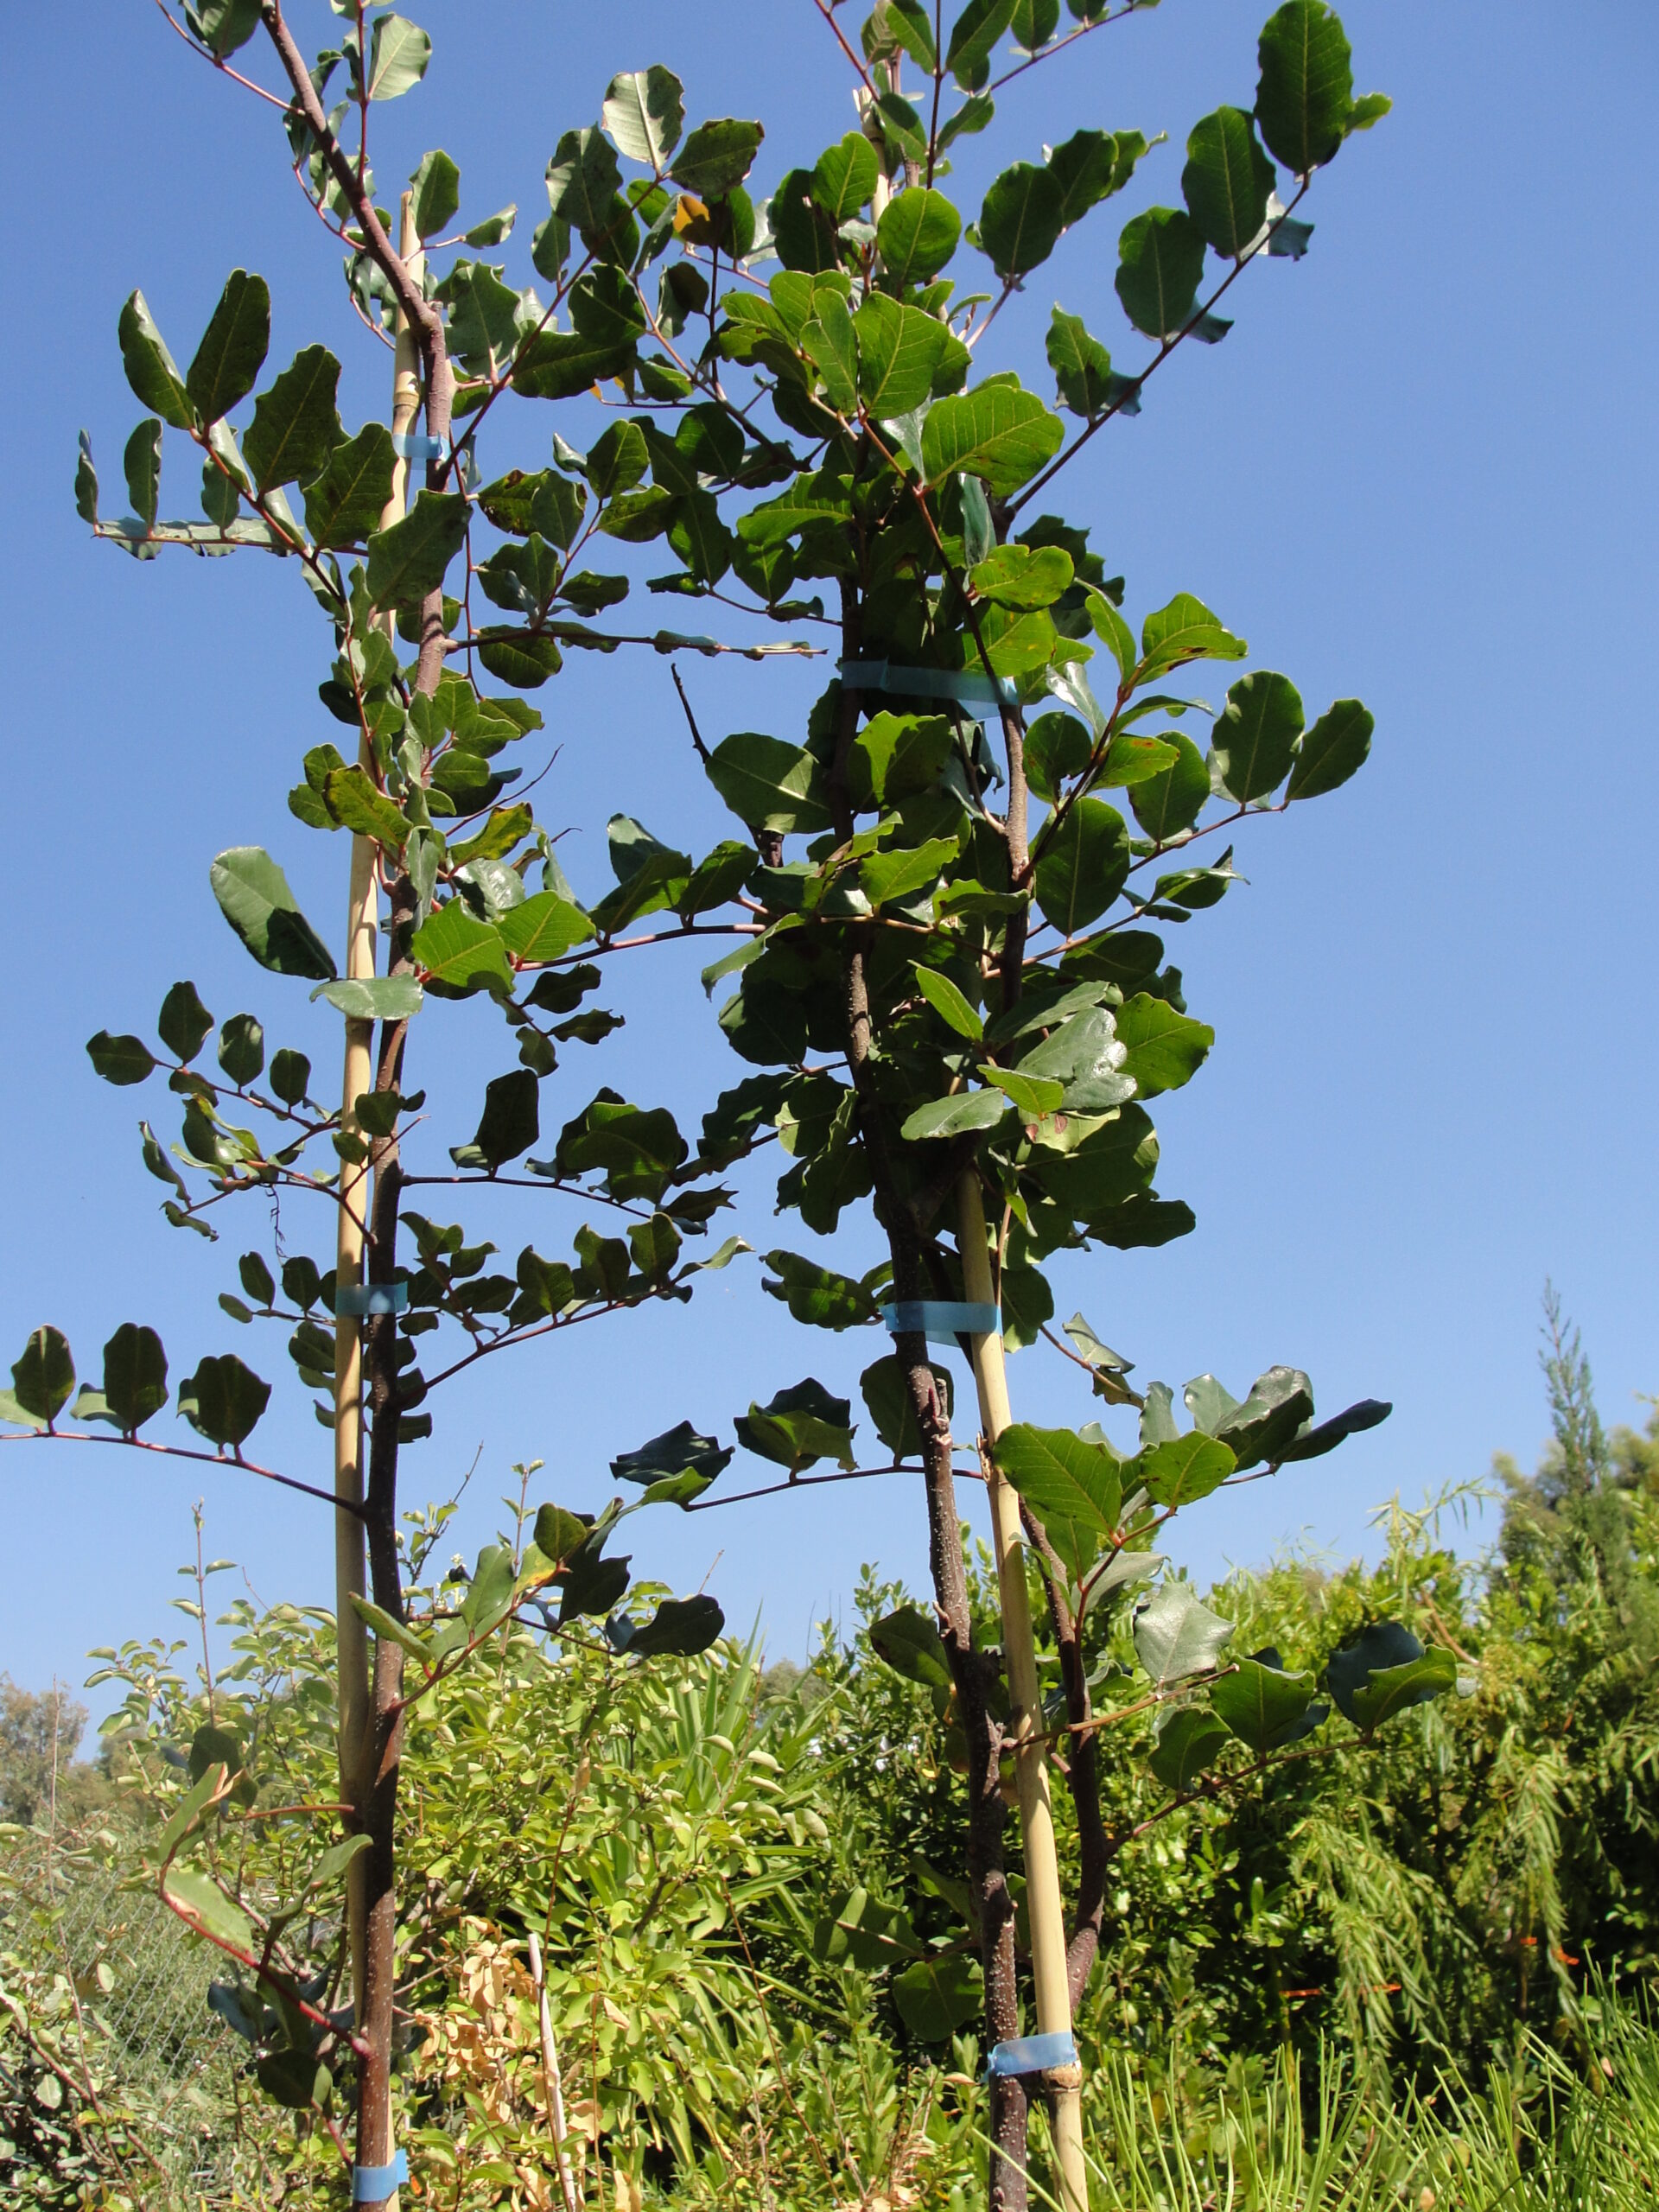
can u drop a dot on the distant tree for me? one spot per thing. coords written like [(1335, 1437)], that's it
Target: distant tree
[(39, 1730)]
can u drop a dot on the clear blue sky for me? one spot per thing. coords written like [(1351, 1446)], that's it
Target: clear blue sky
[(1420, 469)]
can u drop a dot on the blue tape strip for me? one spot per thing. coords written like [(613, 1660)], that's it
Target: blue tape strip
[(941, 1321), (932, 683), (1032, 2054), (415, 445), (358, 1300), (370, 2184)]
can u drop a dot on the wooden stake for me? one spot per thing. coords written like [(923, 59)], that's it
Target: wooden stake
[(1043, 1896), (361, 924), (550, 2076)]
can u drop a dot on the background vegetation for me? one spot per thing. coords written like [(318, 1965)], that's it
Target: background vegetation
[(1416, 1967)]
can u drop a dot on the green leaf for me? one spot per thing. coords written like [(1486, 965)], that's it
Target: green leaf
[(896, 756), (1335, 748), (817, 1294), (1189, 1743), (559, 1535), (1307, 87), (143, 463), (1176, 1636), (948, 1002), (844, 176), (1255, 736), (973, 37), (997, 432), (232, 349), (295, 425), (1057, 747), (951, 1117), (242, 1049), (912, 1647), (1021, 223), (134, 1376), (42, 1379), (902, 872), (346, 502), (120, 1060), (1184, 631), (1164, 1049), (1182, 1470), (916, 235), (886, 1392), (543, 927), (86, 482), (183, 1022), (936, 1996), (290, 1074), (151, 370), (408, 561), (183, 1816), (350, 798), (398, 53), (679, 1629), (644, 113), (254, 897), (207, 1907), (1035, 1097), (1263, 1705), (1227, 181), (1074, 1487), (560, 364), (798, 1426), (1310, 1443), (1172, 800), (769, 784), (637, 1149), (225, 25), (716, 156), (509, 1126), (1023, 575), (389, 1630), (1384, 1670), (436, 193), (900, 350), (1081, 869), (1160, 266), (458, 953), (1279, 1402), (223, 1400), (374, 998), (678, 1451)]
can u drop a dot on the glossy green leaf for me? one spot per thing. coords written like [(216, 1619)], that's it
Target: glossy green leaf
[(45, 1374), (1160, 266), (844, 176), (1182, 1470), (374, 998), (345, 503), (1074, 1487), (408, 561), (1280, 1402), (1083, 867), (948, 1002), (1033, 22), (644, 113), (543, 927), (254, 897), (1177, 1635), (637, 1149), (295, 425), (1336, 748), (398, 53), (900, 350), (797, 1426), (1227, 181), (912, 1647), (1033, 1096), (224, 1401), (151, 370), (1256, 734), (901, 872), (225, 25), (436, 194), (973, 37), (120, 1060), (1172, 800), (678, 1451), (141, 463), (1188, 1744), (242, 1049), (916, 235), (997, 432), (206, 1905), (458, 953), (679, 1629), (1164, 1049), (716, 156), (951, 1117), (885, 1391), (1312, 1443), (1306, 86), (1384, 1670), (769, 784), (816, 1294), (509, 1126), (1263, 1705), (1023, 575), (232, 349), (1021, 222), (1184, 631), (1057, 746)]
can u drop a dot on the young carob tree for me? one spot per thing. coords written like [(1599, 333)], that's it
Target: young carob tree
[(959, 1006)]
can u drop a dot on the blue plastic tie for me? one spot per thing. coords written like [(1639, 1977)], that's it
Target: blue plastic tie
[(359, 1301), (941, 1321), (372, 2184), (1032, 2054), (415, 445), (931, 682)]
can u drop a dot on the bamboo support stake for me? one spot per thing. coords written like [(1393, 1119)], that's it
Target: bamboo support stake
[(1043, 1896), (550, 2076), (361, 923)]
